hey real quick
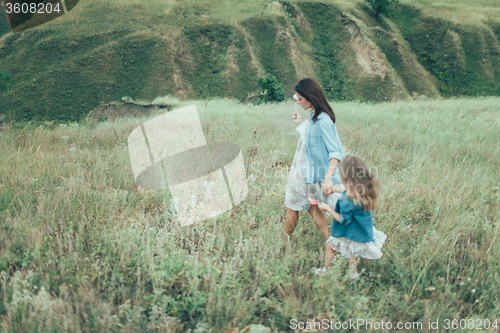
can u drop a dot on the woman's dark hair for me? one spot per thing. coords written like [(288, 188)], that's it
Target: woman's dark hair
[(311, 91)]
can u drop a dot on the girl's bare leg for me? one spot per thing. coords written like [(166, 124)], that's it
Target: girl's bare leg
[(320, 220), (292, 217), (353, 265), (329, 255)]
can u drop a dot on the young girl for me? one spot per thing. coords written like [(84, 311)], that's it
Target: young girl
[(353, 233)]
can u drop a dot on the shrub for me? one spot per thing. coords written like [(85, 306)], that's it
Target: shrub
[(271, 89), (380, 6)]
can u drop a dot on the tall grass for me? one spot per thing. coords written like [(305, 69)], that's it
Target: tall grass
[(83, 249)]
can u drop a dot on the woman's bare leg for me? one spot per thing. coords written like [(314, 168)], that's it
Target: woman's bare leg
[(329, 255), (292, 217), (320, 220)]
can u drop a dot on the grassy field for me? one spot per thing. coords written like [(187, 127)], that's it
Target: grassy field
[(82, 249)]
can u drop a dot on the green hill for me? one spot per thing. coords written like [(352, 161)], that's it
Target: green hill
[(104, 50), (83, 249)]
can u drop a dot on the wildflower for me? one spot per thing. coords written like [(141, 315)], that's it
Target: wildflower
[(313, 202)]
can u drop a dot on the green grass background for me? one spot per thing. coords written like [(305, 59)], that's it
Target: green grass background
[(82, 249)]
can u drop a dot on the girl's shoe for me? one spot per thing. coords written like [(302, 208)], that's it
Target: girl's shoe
[(353, 276), (318, 271)]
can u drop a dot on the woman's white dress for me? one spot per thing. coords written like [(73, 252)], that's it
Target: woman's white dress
[(298, 192)]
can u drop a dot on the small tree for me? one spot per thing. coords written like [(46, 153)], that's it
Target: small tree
[(271, 89), (381, 6)]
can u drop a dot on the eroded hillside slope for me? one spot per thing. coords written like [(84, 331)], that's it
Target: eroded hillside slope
[(102, 51)]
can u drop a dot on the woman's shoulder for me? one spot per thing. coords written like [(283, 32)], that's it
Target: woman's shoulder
[(323, 116), (325, 121)]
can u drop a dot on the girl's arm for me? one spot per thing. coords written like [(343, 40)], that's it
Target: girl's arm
[(338, 189), (324, 207)]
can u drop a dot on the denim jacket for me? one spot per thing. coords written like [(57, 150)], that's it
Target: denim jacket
[(322, 144), (355, 223)]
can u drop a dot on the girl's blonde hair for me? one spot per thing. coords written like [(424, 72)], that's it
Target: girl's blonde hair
[(363, 187)]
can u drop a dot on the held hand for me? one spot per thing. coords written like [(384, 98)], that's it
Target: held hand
[(296, 117), (327, 186)]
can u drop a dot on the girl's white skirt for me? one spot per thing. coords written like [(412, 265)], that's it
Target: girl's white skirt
[(349, 248)]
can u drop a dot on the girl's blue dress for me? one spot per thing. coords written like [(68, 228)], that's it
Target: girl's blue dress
[(355, 235)]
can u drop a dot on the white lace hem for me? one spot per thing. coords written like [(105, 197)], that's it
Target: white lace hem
[(349, 248)]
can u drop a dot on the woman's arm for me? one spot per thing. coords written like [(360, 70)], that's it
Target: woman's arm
[(328, 187), (332, 141), (296, 117), (335, 152), (331, 168)]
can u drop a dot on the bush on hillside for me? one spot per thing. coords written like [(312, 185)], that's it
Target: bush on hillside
[(381, 6), (271, 90)]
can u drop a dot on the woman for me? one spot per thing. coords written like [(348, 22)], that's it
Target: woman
[(314, 173)]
